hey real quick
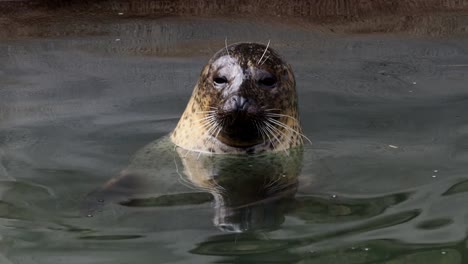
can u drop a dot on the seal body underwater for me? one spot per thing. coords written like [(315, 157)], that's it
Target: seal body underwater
[(244, 102)]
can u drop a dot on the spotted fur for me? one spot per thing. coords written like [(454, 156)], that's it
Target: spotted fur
[(242, 64)]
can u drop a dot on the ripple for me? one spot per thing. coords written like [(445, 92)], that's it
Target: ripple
[(316, 209), (111, 237), (434, 224), (170, 200)]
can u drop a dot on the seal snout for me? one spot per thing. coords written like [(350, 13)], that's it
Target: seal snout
[(238, 116), (238, 103)]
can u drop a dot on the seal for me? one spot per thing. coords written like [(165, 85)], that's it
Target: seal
[(244, 102)]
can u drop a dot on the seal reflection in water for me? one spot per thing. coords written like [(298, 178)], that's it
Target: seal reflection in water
[(244, 105)]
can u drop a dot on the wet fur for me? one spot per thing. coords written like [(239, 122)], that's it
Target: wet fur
[(193, 134)]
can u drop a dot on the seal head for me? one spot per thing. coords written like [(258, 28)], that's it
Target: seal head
[(245, 101)]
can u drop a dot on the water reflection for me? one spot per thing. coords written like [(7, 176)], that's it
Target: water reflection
[(249, 193)]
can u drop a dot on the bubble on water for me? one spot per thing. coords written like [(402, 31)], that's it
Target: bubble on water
[(436, 170), (89, 215), (334, 196), (434, 176), (366, 249), (414, 82), (120, 13), (443, 252)]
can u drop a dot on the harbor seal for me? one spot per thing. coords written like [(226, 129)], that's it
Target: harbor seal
[(244, 102)]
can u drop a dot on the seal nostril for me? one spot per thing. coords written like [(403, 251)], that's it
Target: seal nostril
[(240, 102)]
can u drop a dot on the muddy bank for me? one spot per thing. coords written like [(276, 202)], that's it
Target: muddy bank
[(33, 19)]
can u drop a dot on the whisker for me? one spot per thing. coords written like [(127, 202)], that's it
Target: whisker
[(274, 129), (208, 117), (266, 58), (271, 109), (281, 115), (268, 136), (202, 112), (208, 122), (272, 134), (226, 45), (289, 128), (212, 128), (219, 130), (264, 52), (259, 130)]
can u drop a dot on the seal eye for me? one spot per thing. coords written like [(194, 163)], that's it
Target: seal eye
[(220, 80), (267, 82)]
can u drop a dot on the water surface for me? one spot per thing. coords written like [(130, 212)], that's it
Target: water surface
[(383, 182)]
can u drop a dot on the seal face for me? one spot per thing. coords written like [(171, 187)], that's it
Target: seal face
[(244, 102)]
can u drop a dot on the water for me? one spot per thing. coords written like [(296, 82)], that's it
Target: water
[(383, 182)]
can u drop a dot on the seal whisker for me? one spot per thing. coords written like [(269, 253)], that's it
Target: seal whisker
[(271, 125), (272, 134), (226, 45), (274, 129), (219, 130), (207, 123), (267, 133), (281, 115), (208, 117), (287, 116), (212, 129), (204, 112), (266, 58), (207, 126), (210, 125), (264, 52), (271, 109), (289, 128), (259, 130)]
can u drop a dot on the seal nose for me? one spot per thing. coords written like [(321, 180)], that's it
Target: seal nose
[(237, 103), (240, 103)]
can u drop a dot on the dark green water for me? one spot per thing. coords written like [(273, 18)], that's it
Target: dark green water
[(385, 180)]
